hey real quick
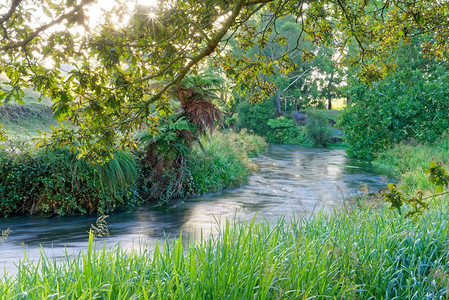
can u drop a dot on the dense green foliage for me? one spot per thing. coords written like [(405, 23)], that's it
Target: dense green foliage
[(254, 117), (317, 128), (286, 131), (224, 163), (168, 162), (214, 162), (410, 104), (163, 158), (409, 161), (260, 118), (56, 182)]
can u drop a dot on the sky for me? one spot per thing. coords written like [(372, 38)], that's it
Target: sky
[(96, 11)]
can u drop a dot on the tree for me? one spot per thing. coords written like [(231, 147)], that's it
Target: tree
[(164, 161), (410, 104), (299, 88), (195, 94), (109, 88)]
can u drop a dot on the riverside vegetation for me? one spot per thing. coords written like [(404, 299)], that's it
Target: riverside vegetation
[(56, 182), (261, 119), (368, 253)]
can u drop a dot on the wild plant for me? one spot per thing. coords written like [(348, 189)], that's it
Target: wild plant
[(4, 235), (437, 176), (100, 229)]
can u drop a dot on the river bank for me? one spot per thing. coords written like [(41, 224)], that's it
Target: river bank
[(55, 182)]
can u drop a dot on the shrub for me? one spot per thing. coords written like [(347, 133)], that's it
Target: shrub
[(286, 131), (317, 128), (410, 104), (254, 117), (224, 163), (55, 182), (176, 165), (163, 159)]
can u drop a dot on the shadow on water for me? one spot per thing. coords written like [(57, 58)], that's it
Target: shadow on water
[(290, 180)]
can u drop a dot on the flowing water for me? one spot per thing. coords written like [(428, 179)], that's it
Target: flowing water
[(291, 180)]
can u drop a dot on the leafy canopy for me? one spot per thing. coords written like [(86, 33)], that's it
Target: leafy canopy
[(410, 104), (104, 75)]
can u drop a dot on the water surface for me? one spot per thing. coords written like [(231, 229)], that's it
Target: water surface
[(290, 180)]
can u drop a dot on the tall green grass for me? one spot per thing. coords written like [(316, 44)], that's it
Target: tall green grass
[(365, 254), (408, 162), (223, 161)]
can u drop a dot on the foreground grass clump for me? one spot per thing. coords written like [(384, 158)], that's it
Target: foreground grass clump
[(409, 161), (366, 254)]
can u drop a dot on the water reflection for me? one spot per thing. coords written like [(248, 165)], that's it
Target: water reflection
[(291, 179)]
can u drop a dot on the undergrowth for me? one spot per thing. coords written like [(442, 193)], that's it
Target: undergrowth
[(55, 182), (224, 161)]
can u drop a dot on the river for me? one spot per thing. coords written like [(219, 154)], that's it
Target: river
[(290, 180)]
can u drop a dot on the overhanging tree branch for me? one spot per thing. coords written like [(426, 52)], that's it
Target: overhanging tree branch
[(210, 47), (12, 9), (41, 29)]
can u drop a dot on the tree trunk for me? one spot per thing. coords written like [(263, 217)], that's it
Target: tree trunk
[(278, 104), (285, 112), (329, 95)]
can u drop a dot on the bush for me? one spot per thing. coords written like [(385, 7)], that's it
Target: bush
[(317, 128), (286, 131), (175, 165), (163, 159), (55, 182), (411, 104), (224, 163), (254, 117)]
